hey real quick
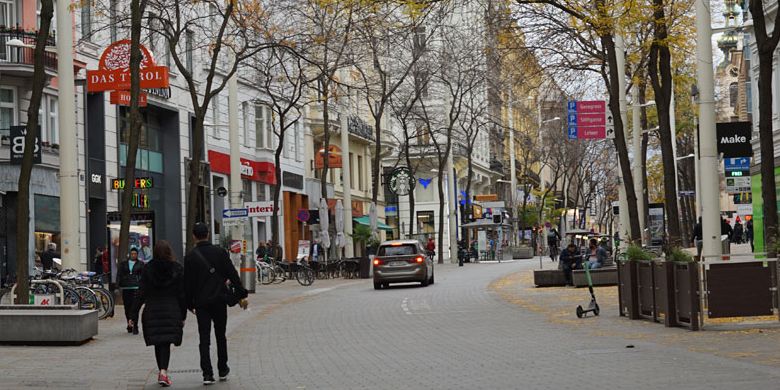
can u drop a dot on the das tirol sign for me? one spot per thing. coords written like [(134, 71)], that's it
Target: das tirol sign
[(113, 73)]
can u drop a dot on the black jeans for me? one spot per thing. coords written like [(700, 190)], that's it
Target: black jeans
[(128, 298), (217, 314), (162, 352)]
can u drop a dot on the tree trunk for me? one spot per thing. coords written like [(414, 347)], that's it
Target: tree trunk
[(768, 185), (278, 186), (411, 193), (25, 170), (440, 181), (137, 8), (193, 197), (326, 140), (607, 41), (660, 70), (377, 151)]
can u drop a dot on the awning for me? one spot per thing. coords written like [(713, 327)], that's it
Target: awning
[(364, 220)]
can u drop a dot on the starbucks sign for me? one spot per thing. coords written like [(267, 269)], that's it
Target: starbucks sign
[(401, 181)]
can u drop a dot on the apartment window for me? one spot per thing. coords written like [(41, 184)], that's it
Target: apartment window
[(733, 94), (189, 49), (298, 151), (423, 135), (52, 130), (419, 40), (263, 126), (351, 171), (360, 172), (216, 118), (246, 190), (7, 110), (86, 20), (245, 121), (260, 194), (8, 12)]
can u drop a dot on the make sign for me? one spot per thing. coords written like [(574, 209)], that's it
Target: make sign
[(113, 73)]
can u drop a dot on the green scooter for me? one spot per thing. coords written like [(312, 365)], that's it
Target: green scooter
[(593, 306)]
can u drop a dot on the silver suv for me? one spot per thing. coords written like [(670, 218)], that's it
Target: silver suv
[(402, 261)]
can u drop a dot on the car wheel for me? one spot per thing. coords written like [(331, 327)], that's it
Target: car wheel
[(377, 286), (425, 281), (432, 280)]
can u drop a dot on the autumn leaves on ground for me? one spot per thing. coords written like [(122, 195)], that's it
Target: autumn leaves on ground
[(751, 339)]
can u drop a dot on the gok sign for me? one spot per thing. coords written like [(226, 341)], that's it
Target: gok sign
[(17, 145), (113, 73)]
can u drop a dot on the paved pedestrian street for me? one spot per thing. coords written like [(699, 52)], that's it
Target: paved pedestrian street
[(481, 326)]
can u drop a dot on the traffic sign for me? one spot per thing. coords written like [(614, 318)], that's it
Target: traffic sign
[(736, 185), (303, 215), (589, 119), (235, 213), (737, 167)]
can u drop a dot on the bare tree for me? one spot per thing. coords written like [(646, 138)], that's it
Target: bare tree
[(284, 79), (137, 9), (25, 171), (219, 30)]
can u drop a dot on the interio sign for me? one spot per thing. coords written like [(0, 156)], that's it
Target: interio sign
[(113, 73)]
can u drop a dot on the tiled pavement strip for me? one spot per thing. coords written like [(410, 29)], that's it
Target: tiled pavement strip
[(479, 327)]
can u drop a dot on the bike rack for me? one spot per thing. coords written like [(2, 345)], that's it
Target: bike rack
[(61, 292)]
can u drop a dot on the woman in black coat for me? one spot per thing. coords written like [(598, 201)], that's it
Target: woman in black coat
[(162, 294)]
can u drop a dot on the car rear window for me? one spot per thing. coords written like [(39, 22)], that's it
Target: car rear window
[(397, 250)]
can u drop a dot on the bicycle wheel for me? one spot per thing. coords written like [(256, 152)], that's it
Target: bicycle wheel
[(89, 300), (106, 302), (279, 275), (305, 276), (269, 275), (71, 296)]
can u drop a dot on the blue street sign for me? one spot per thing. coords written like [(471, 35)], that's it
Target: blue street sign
[(572, 119), (235, 213), (572, 105), (572, 132), (737, 164)]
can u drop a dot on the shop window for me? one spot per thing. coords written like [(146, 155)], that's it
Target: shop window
[(260, 194), (7, 110), (425, 222), (245, 122), (216, 117), (47, 213), (188, 50), (47, 120), (360, 172)]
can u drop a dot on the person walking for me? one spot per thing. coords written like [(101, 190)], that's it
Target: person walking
[(749, 233), (97, 261), (129, 279), (553, 243), (48, 256), (207, 269), (738, 232), (430, 247), (161, 293), (697, 237)]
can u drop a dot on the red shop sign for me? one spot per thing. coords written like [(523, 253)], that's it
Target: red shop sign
[(122, 98), (252, 170), (113, 73)]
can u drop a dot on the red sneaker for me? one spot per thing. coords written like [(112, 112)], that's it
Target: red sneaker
[(164, 380)]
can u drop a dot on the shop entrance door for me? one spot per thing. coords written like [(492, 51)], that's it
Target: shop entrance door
[(141, 238)]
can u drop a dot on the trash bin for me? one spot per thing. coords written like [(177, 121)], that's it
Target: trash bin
[(725, 245), (365, 268)]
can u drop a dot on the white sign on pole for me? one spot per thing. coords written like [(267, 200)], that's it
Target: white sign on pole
[(304, 246), (735, 185), (260, 209)]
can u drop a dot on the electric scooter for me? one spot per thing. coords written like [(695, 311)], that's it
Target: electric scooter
[(593, 307)]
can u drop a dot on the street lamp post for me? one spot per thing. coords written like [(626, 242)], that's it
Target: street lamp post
[(66, 107), (638, 171), (710, 185)]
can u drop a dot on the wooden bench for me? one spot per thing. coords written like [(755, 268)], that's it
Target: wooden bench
[(549, 278), (601, 277)]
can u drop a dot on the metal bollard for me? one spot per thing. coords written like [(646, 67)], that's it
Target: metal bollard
[(248, 273)]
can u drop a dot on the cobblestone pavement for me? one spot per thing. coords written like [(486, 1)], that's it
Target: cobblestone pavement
[(470, 330)]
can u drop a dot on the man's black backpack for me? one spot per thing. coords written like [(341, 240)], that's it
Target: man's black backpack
[(229, 293)]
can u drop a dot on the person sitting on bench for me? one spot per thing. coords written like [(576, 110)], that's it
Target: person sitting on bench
[(570, 259), (598, 255)]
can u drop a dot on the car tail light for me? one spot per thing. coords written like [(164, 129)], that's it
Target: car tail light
[(419, 259), (378, 261)]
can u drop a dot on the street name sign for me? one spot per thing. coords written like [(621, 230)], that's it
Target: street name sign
[(235, 213), (589, 119), (737, 167)]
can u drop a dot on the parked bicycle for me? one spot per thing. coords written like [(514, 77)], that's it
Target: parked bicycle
[(303, 273)]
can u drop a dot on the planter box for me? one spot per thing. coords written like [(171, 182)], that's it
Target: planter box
[(600, 277), (686, 295), (645, 289), (549, 278), (627, 297), (521, 252)]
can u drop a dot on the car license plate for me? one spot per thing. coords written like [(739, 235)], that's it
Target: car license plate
[(397, 263)]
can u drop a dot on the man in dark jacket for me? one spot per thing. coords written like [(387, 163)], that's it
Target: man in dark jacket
[(570, 259), (206, 270), (47, 257)]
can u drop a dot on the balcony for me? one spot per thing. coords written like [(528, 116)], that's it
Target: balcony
[(358, 127), (18, 60)]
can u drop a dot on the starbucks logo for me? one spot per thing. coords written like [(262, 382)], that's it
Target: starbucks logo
[(401, 181)]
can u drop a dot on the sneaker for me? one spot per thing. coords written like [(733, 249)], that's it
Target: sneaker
[(223, 375), (164, 380), (135, 330), (209, 379)]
